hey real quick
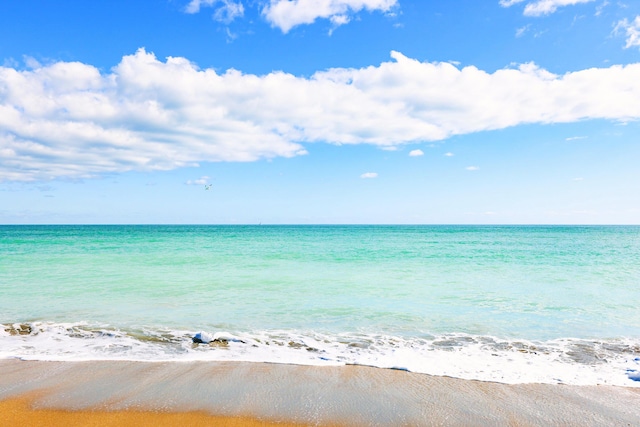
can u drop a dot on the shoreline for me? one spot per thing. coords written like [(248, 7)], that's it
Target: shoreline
[(224, 393)]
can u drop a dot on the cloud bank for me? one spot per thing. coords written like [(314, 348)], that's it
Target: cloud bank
[(69, 120), (542, 7)]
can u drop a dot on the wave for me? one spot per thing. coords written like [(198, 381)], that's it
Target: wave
[(467, 356)]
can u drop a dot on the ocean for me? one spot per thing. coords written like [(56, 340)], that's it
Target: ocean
[(511, 304)]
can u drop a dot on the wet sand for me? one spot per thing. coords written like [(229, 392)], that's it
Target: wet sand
[(227, 393), (19, 412)]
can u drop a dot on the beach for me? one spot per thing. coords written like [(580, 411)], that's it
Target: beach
[(319, 325), (224, 393)]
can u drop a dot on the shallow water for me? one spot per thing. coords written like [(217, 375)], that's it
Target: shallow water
[(500, 303)]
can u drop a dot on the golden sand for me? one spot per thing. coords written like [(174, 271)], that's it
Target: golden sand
[(19, 412), (104, 393)]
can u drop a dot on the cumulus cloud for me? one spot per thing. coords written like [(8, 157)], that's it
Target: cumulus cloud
[(369, 175), (67, 119), (416, 153), (542, 7), (472, 168), (449, 154), (286, 14), (631, 30)]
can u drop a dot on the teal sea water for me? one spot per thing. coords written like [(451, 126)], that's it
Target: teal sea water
[(499, 303)]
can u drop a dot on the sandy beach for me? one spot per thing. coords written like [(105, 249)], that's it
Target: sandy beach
[(215, 393), (19, 412)]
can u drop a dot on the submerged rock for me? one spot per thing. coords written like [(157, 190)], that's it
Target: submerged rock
[(219, 343), (219, 338), (202, 338), (18, 329)]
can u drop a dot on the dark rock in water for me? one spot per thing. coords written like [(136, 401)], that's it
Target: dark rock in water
[(18, 329), (221, 339), (202, 338)]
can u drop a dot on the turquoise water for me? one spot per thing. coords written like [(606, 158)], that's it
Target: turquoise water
[(410, 297)]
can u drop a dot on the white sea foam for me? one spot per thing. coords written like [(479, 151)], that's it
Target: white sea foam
[(567, 361)]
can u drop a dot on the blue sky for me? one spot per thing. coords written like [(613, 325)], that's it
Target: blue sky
[(320, 111)]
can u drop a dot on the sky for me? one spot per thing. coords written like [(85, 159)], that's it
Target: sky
[(320, 112)]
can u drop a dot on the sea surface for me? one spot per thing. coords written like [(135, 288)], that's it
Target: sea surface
[(512, 304)]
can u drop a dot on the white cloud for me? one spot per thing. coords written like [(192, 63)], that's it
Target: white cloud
[(229, 11), (503, 3), (575, 138), (339, 20), (546, 7), (472, 168), (520, 31), (69, 120), (225, 13), (449, 154), (601, 7), (542, 7), (194, 5), (286, 14), (200, 181), (31, 62), (416, 153), (369, 175), (632, 31)]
